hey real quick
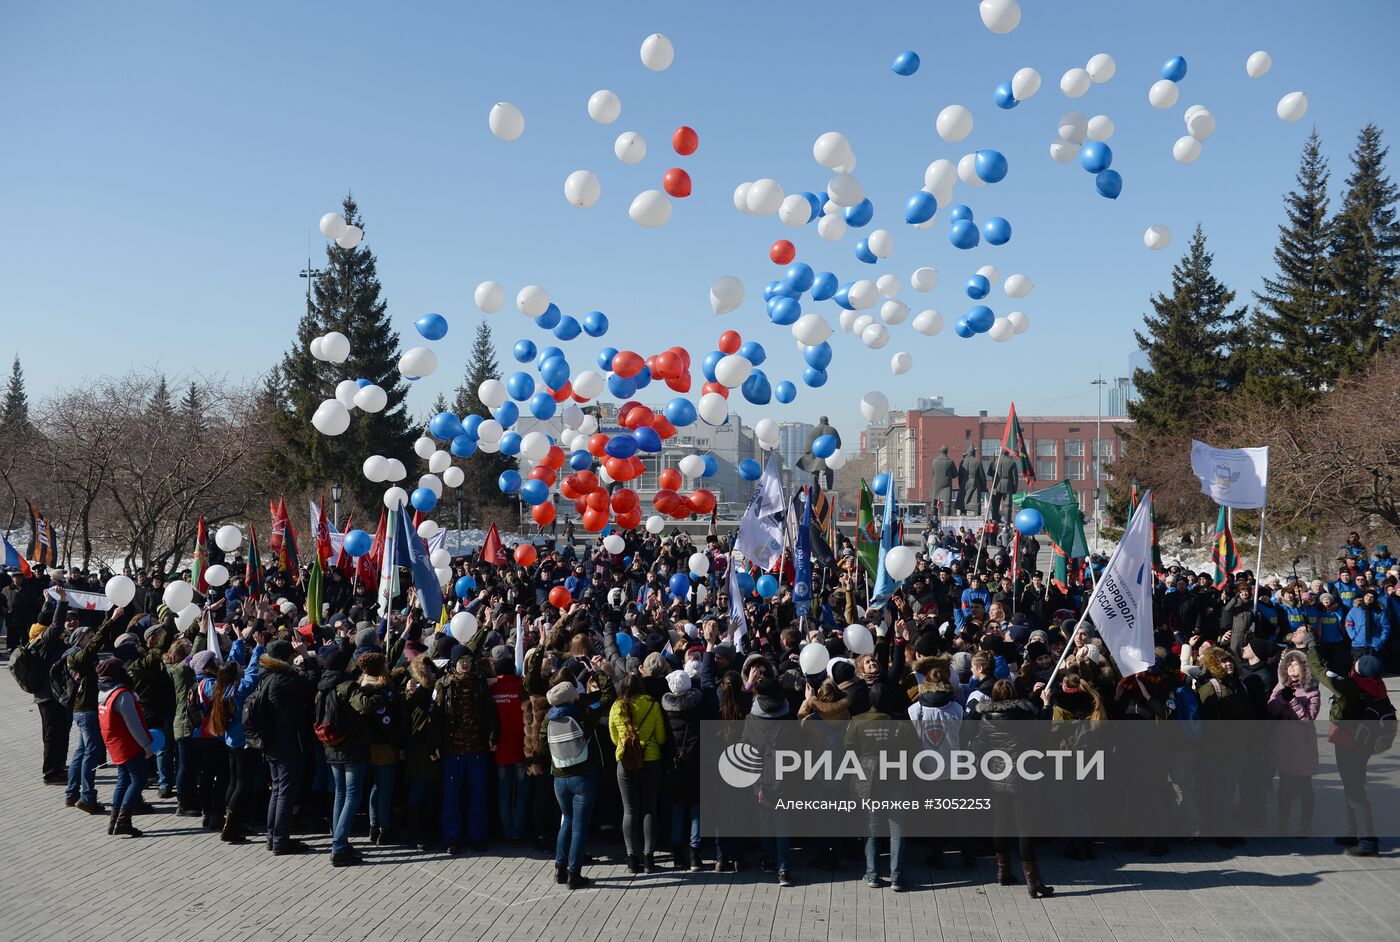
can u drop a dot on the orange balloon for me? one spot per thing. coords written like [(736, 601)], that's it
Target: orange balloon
[(702, 500), (597, 444), (554, 458), (525, 554), (669, 479), (559, 596), (563, 392), (720, 388), (730, 341), (630, 520), (625, 499), (597, 500), (543, 513), (782, 252), (627, 364), (595, 520)]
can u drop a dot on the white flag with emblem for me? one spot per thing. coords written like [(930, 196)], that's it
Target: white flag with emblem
[(1232, 477), (1121, 606)]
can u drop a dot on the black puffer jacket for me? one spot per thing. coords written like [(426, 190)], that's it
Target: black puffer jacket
[(681, 751), (289, 694), (1002, 728)]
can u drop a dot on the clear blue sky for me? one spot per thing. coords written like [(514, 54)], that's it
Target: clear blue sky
[(163, 164)]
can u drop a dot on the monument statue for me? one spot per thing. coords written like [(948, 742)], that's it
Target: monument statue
[(810, 462), (1005, 477), (945, 476), (972, 483)]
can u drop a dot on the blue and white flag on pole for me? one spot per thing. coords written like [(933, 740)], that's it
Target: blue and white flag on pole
[(761, 529), (738, 623), (1121, 606), (412, 554), (802, 560), (884, 585)]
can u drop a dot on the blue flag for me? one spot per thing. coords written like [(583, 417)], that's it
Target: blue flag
[(411, 553), (802, 559), (889, 539)]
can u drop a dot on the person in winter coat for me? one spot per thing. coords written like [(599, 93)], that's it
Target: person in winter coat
[(638, 730), (48, 642), (384, 724), (882, 728), (468, 734), (1002, 727), (1368, 625), (127, 738), (151, 683), (422, 737), (762, 727), (226, 694), (183, 728), (82, 660), (683, 708), (820, 715), (1223, 697), (1076, 709), (512, 781), (1295, 700), (287, 691), (341, 729)]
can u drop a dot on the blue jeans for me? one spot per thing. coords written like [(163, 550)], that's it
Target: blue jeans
[(165, 759), (777, 846), (472, 768), (131, 775), (381, 794), (679, 815), (872, 848), (349, 782), (576, 795), (512, 799), (82, 767)]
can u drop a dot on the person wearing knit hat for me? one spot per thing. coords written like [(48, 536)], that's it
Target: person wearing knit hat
[(683, 708), (512, 775), (128, 741)]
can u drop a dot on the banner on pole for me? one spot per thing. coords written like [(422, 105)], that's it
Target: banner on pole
[(1232, 477)]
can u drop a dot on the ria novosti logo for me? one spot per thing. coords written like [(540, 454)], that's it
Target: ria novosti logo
[(740, 765)]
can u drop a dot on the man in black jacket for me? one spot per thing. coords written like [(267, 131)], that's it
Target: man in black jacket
[(287, 693), (55, 719)]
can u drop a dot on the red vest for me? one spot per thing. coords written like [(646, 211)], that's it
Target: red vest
[(121, 745)]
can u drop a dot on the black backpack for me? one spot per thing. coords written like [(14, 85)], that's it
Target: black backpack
[(27, 668), (333, 717), (1376, 730), (63, 680), (257, 717)]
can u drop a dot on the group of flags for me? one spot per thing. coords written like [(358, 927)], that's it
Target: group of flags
[(43, 544)]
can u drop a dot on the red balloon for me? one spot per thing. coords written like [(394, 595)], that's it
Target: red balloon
[(597, 443), (782, 252), (720, 388), (676, 182), (730, 341), (680, 384), (554, 458), (663, 427), (596, 500), (665, 500), (540, 473), (569, 488), (667, 365), (669, 479), (625, 499), (627, 364), (634, 415), (629, 520), (580, 505), (618, 468), (684, 354), (543, 513), (685, 140), (525, 554), (559, 596), (595, 520), (636, 466), (683, 508), (702, 500), (564, 392), (586, 481)]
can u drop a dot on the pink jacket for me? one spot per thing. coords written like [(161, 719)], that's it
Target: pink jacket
[(1295, 737)]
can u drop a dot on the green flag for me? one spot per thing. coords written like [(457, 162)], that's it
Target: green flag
[(313, 591), (1063, 524), (1013, 443), (867, 535), (1222, 550)]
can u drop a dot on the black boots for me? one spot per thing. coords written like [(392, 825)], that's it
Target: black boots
[(1034, 886), (650, 866), (1004, 875), (634, 863), (123, 825), (561, 874), (577, 880), (232, 833)]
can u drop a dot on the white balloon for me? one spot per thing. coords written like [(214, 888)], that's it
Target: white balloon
[(901, 363), (444, 575), (655, 524), (1186, 149), (439, 461), (924, 279), (650, 209), (940, 175), (1018, 286), (350, 237), (492, 393), (572, 415), (395, 497), (954, 123), (228, 538), (880, 243), (489, 296), (463, 627), (604, 106), (847, 318), (1063, 151), (532, 300), (1073, 127), (741, 197), (1025, 83), (928, 322), (990, 273), (345, 391), (372, 399), (692, 466), (1101, 127), (489, 431), (835, 460), (216, 575), (967, 171), (488, 448), (863, 294), (335, 347), (1019, 321), (831, 149), (588, 384), (1000, 16), (186, 616), (630, 147), (732, 370), (330, 418), (177, 595), (375, 467), (315, 347), (858, 639), (394, 470), (427, 529), (845, 190), (453, 477), (417, 362), (424, 447), (899, 563), (582, 189), (440, 558), (432, 482), (699, 564), (1101, 68), (1200, 124), (506, 121), (121, 590), (1001, 330), (589, 425), (1163, 93), (1258, 64), (1293, 106), (888, 285), (726, 293), (764, 197), (795, 211), (894, 311), (1075, 83), (657, 52), (831, 228), (814, 657), (614, 544), (332, 225), (534, 445), (1157, 237), (875, 336), (766, 431), (861, 322), (811, 329)]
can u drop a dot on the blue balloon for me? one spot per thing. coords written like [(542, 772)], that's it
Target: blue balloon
[(1174, 69), (711, 466), (814, 377), (580, 460), (431, 326), (824, 286), (158, 737), (906, 63), (962, 329), (864, 254), (680, 412), (445, 426), (680, 585), (550, 318), (785, 392), (978, 287), (707, 367), (770, 290), (605, 358), (624, 643), (750, 470), (991, 166), (1030, 522), (568, 328), (1095, 156), (783, 311), (860, 214), (506, 414), (509, 481), (980, 318), (756, 388), (959, 212), (1003, 97), (843, 297), (818, 356), (1109, 184), (362, 382), (753, 351), (799, 277), (358, 543), (745, 581), (766, 586), (463, 446), (548, 352), (520, 385), (534, 492), (595, 323), (997, 230), (922, 207), (825, 446), (647, 439), (463, 586), (881, 485), (554, 372), (423, 499), (510, 443), (542, 405), (524, 351), (816, 204), (963, 234), (621, 386), (470, 424)]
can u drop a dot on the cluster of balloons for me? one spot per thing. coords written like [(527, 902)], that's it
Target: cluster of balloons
[(1024, 84), (964, 234), (333, 347), (1099, 69), (1096, 158), (333, 226)]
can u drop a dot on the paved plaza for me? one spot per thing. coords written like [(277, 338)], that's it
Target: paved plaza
[(62, 877)]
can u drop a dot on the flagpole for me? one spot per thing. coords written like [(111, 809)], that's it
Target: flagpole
[(1259, 557)]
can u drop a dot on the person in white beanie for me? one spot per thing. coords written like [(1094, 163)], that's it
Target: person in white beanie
[(680, 762)]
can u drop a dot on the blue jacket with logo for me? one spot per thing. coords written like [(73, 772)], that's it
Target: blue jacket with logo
[(1368, 627)]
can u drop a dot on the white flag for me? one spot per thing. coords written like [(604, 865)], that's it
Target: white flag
[(1121, 606), (738, 623), (761, 529), (1232, 477), (211, 637)]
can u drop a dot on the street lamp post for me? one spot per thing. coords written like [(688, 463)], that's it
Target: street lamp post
[(336, 492), (1098, 434)]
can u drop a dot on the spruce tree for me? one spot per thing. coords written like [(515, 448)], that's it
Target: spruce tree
[(14, 409), (191, 408), (346, 298), (482, 469), (1362, 265), (1290, 343), (1195, 345), (162, 405)]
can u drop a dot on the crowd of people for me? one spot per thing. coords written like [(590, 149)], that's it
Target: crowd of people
[(561, 726)]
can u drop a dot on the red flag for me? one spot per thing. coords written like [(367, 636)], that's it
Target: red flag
[(284, 541), (368, 565), (254, 578), (322, 532), (343, 561), (493, 551)]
